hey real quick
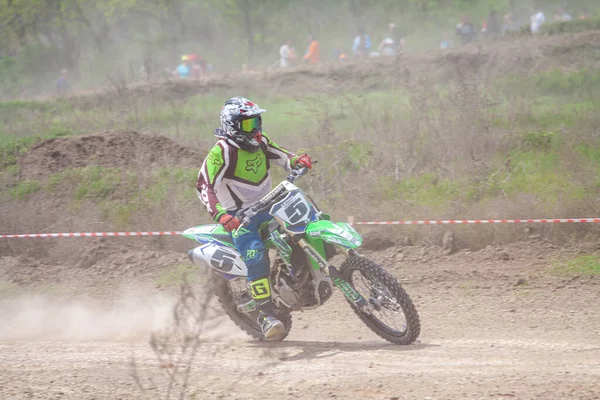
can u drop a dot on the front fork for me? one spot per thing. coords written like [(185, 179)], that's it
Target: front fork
[(338, 281)]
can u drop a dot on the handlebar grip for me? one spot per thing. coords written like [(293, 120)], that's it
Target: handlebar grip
[(296, 174), (242, 214)]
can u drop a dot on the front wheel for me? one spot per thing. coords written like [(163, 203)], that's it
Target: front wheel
[(393, 315)]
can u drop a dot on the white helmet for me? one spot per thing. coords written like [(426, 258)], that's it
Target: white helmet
[(242, 123)]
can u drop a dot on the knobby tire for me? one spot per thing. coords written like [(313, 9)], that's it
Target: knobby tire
[(251, 328), (371, 269)]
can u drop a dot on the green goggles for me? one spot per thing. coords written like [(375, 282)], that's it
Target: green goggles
[(251, 125)]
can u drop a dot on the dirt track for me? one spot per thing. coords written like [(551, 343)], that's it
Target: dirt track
[(496, 324)]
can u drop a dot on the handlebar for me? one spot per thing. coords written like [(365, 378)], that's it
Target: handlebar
[(245, 214), (297, 174)]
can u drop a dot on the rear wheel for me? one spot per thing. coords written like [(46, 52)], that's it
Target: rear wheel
[(393, 315), (233, 293)]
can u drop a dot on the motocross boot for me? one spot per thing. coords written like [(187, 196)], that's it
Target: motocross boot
[(272, 328)]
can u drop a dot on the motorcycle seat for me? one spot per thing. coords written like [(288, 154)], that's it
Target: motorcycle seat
[(264, 233)]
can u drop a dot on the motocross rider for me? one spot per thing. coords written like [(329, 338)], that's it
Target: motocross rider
[(234, 175)]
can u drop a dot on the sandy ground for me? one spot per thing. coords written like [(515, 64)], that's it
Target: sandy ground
[(498, 323)]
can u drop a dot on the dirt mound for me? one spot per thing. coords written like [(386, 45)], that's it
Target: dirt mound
[(122, 149), (506, 56)]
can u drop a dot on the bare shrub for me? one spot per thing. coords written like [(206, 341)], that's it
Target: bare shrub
[(177, 348)]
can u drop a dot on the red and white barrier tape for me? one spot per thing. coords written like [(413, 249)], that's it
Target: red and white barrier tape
[(425, 222), (480, 221), (91, 234)]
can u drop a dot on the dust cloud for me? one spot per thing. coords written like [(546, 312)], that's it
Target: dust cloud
[(132, 314), (129, 315)]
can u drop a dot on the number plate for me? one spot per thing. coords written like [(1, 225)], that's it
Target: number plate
[(223, 259), (293, 210)]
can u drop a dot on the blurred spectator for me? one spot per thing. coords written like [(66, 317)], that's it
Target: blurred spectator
[(510, 24), (465, 30), (537, 20), (387, 48), (446, 42), (144, 73), (183, 70), (392, 43), (566, 16), (287, 55), (312, 53), (493, 25), (397, 37), (562, 15), (62, 83), (362, 44), (197, 66), (146, 68), (338, 52)]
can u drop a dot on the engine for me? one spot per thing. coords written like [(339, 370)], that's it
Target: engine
[(296, 289)]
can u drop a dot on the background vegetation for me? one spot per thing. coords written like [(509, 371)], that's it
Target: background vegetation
[(509, 147), (477, 144), (107, 40)]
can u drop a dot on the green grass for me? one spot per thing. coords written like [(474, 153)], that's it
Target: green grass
[(538, 173), (196, 117), (23, 189), (542, 148), (427, 190), (98, 183), (9, 107), (552, 98), (582, 265), (285, 117), (11, 149), (119, 195), (93, 182), (11, 146), (123, 195), (554, 82), (554, 28), (590, 153)]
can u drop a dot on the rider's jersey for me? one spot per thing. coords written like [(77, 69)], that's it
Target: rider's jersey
[(232, 178)]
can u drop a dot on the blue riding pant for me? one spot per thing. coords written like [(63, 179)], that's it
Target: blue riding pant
[(251, 247)]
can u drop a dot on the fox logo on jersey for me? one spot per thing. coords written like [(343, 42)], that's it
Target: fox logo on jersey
[(254, 164), (215, 158)]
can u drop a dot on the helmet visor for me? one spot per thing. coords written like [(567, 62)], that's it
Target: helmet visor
[(251, 125)]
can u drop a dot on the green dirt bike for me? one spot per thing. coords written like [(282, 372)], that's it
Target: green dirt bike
[(304, 240)]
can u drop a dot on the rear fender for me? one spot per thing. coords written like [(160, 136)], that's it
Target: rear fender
[(221, 258), (208, 234)]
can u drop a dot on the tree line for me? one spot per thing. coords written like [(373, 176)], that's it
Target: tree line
[(39, 37)]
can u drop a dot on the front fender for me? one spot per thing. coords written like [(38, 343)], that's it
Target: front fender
[(339, 233)]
